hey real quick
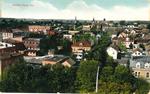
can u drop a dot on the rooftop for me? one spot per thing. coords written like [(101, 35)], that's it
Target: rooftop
[(5, 45), (82, 44), (56, 58), (36, 39)]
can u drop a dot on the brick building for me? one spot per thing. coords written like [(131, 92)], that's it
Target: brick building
[(38, 28), (32, 46)]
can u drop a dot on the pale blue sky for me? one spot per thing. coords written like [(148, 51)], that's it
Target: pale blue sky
[(103, 3), (83, 9)]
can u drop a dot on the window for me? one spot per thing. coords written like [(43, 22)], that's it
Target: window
[(138, 65), (138, 74), (135, 73), (146, 65), (147, 75), (138, 53)]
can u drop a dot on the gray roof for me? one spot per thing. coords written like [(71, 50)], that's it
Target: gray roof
[(140, 59), (55, 58)]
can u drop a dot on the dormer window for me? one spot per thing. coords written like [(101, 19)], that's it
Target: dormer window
[(146, 65), (138, 65)]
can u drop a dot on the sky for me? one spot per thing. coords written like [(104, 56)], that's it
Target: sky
[(82, 9)]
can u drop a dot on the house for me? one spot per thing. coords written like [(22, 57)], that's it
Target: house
[(133, 32), (113, 35), (141, 67), (38, 28), (127, 42), (137, 52), (6, 33), (19, 45), (81, 46), (67, 36), (32, 45), (86, 27), (73, 32), (113, 51), (122, 35)]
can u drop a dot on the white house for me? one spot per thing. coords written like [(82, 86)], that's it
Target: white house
[(67, 36), (113, 52)]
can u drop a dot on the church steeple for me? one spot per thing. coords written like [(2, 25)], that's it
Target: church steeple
[(93, 21)]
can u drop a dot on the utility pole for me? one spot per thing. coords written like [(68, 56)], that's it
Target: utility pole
[(97, 75)]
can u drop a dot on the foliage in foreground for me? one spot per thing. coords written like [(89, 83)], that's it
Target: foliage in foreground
[(24, 78)]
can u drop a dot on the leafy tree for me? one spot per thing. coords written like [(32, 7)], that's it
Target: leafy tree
[(148, 26), (98, 51), (122, 23), (122, 47), (86, 76), (47, 43), (83, 37), (142, 87), (66, 47), (22, 77)]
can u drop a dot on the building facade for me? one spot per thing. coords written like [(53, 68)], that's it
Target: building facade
[(81, 46)]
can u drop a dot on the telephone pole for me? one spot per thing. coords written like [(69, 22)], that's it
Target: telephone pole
[(97, 76)]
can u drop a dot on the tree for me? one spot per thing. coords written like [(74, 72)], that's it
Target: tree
[(142, 87), (122, 23), (98, 51), (66, 44), (47, 43), (148, 26), (22, 77), (86, 76), (122, 47)]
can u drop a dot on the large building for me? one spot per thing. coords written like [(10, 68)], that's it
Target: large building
[(32, 45), (8, 55), (141, 67), (5, 34), (81, 46), (38, 28)]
